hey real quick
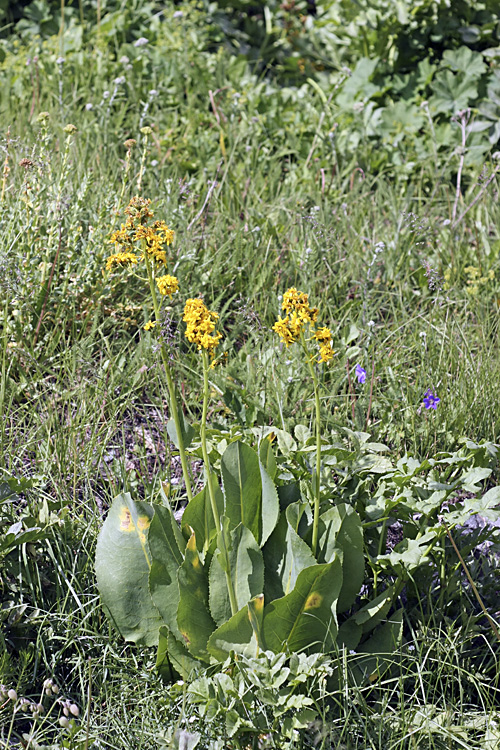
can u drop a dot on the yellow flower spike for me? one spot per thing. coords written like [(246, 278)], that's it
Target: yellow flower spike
[(167, 285), (200, 325), (291, 328)]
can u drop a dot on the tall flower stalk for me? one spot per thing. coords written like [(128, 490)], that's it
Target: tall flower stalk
[(299, 318), (200, 330), (139, 234)]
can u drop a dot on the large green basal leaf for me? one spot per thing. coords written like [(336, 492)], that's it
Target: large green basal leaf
[(199, 517), (341, 527), (377, 653), (270, 505), (242, 486), (240, 633), (193, 615), (285, 556), (123, 562), (166, 545), (242, 557), (173, 654), (305, 618)]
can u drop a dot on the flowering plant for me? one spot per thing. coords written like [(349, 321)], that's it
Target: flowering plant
[(265, 560), (247, 572)]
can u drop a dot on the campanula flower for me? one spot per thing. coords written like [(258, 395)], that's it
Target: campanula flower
[(431, 400), (360, 374)]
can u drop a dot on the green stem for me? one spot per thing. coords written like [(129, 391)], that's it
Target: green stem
[(203, 438), (170, 384), (206, 459), (317, 478)]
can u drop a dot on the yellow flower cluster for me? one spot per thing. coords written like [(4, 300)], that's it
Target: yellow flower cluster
[(136, 230), (167, 285), (297, 303), (324, 338), (298, 314), (120, 259), (200, 325)]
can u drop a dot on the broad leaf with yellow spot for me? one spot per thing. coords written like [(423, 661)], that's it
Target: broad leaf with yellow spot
[(122, 567)]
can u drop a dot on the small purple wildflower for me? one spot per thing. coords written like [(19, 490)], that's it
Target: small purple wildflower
[(360, 374), (431, 400)]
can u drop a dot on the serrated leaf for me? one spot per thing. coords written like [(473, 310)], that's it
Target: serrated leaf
[(123, 562), (464, 60), (452, 92)]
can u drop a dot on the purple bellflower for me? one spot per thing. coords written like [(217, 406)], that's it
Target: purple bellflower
[(431, 400), (360, 374)]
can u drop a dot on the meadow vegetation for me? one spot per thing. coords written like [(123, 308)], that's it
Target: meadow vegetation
[(250, 337)]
